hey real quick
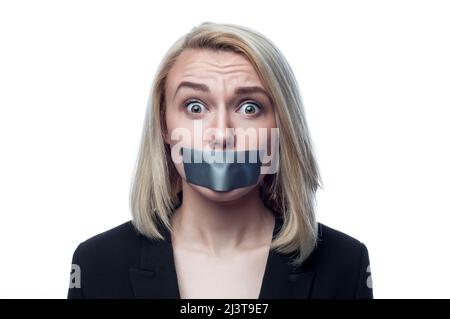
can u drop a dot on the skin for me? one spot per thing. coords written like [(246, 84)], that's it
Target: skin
[(221, 240)]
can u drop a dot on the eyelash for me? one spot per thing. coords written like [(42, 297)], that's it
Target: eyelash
[(187, 102)]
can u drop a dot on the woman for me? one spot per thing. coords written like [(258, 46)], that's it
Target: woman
[(223, 229)]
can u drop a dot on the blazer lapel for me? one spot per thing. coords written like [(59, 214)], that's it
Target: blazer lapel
[(283, 281), (156, 278)]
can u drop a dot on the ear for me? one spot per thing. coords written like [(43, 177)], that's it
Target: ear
[(164, 131), (165, 134), (165, 137)]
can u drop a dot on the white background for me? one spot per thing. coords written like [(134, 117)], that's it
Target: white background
[(74, 83)]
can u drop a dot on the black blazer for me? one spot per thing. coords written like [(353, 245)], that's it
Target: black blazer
[(121, 263)]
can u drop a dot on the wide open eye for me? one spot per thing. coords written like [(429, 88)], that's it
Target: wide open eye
[(249, 108), (195, 107)]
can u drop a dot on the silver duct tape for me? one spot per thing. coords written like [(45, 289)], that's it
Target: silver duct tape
[(221, 171)]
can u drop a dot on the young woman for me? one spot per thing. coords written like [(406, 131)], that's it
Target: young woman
[(223, 229)]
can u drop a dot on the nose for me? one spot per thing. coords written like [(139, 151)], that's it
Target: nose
[(223, 132)]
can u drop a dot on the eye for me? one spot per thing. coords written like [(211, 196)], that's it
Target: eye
[(249, 108), (195, 107)]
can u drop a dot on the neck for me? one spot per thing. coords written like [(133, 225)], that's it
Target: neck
[(219, 227)]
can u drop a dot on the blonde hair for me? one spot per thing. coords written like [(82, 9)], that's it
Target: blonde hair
[(290, 192)]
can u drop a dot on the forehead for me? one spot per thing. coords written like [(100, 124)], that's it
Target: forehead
[(209, 65)]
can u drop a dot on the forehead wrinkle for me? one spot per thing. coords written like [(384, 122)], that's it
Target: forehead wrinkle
[(247, 77), (224, 81), (208, 73), (213, 82), (218, 64), (218, 77), (215, 67)]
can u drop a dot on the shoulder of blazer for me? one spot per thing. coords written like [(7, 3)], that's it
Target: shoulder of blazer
[(110, 250), (336, 247), (101, 261), (342, 259), (334, 236)]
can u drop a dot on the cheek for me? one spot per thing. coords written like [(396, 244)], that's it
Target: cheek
[(256, 132), (172, 120), (178, 127), (270, 121)]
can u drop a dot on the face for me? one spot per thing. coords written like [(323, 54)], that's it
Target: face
[(220, 95)]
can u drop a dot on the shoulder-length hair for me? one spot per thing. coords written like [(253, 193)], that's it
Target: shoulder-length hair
[(290, 192)]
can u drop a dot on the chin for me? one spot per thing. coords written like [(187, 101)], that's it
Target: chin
[(223, 197)]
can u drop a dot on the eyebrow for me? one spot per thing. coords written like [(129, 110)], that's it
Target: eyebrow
[(238, 90)]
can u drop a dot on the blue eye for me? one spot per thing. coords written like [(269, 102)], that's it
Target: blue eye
[(249, 108), (195, 107)]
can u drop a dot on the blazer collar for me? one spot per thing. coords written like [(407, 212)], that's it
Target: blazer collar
[(156, 277)]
